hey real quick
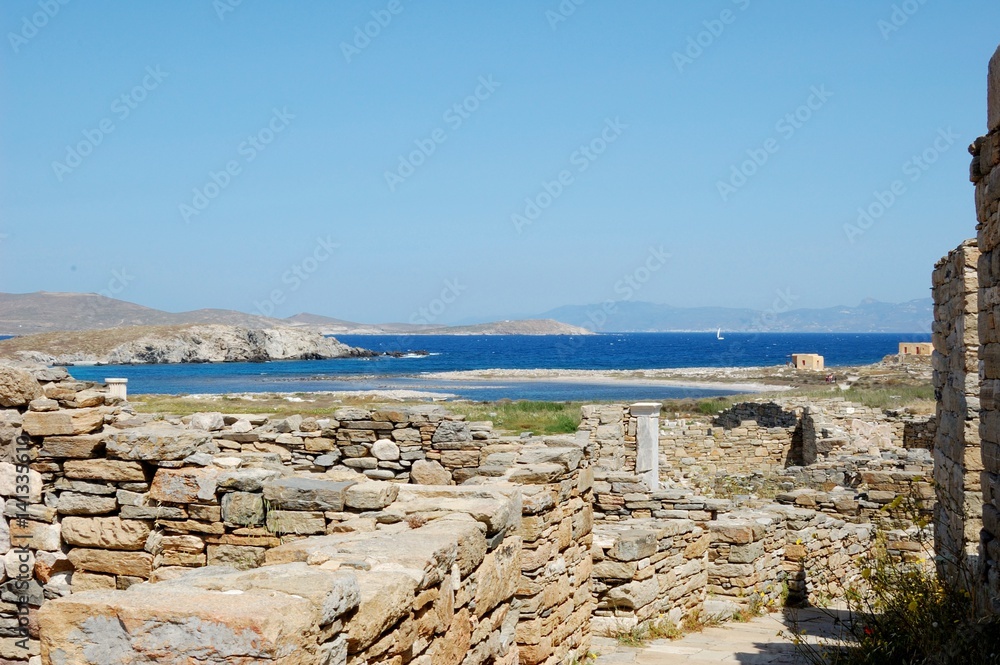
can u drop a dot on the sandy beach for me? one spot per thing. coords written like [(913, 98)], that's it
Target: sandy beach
[(738, 379)]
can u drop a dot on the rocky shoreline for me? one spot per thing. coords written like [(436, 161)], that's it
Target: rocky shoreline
[(177, 344)]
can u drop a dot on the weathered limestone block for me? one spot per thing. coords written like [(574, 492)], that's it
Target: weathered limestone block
[(209, 421), (86, 446), (138, 564), (452, 431), (373, 495), (161, 623), (110, 533), (155, 443), (187, 485), (17, 387), (70, 422), (385, 450), (429, 472), (11, 486), (102, 469), (243, 508), (498, 576), (295, 522), (306, 494), (240, 557), (74, 503), (35, 535)]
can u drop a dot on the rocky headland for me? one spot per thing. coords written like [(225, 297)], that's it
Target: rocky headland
[(176, 344)]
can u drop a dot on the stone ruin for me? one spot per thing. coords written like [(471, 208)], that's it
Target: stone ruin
[(410, 535)]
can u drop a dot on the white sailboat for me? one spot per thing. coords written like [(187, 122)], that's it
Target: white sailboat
[(718, 335)]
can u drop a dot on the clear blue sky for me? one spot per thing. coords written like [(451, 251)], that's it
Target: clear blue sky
[(206, 88)]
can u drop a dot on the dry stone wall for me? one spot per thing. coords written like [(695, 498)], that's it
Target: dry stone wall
[(958, 462), (111, 499), (985, 173)]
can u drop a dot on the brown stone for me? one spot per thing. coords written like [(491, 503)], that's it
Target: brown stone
[(102, 469), (17, 387), (86, 446), (63, 423), (138, 564), (110, 533), (186, 485)]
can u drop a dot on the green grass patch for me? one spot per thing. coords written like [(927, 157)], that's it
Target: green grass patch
[(524, 416)]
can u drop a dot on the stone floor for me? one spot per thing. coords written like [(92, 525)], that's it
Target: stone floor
[(762, 641)]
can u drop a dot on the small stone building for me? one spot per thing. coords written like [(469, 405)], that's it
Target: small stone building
[(812, 361), (916, 348)]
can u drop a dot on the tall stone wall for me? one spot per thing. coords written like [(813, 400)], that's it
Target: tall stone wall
[(985, 173), (957, 455)]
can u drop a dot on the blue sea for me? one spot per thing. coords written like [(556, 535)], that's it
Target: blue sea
[(449, 353)]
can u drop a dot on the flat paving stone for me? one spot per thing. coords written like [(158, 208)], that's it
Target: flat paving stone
[(763, 640)]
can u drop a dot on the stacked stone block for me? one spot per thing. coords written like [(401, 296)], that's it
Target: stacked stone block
[(985, 173), (957, 455), (648, 570)]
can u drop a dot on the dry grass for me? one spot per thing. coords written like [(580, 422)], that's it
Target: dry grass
[(280, 405), (97, 342)]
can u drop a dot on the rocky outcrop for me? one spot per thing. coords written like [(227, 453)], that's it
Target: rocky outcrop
[(191, 344)]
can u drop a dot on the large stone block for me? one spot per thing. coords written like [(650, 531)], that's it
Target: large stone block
[(155, 443), (13, 485), (136, 564), (101, 469), (374, 495), (85, 446), (184, 485), (306, 494), (17, 387), (110, 533), (243, 508), (75, 503), (162, 623), (71, 422)]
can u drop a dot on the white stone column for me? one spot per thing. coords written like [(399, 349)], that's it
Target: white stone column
[(647, 443), (118, 388)]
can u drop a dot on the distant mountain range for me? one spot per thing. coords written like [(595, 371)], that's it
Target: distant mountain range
[(869, 316), (30, 313)]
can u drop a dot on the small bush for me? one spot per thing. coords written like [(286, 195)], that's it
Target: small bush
[(902, 613)]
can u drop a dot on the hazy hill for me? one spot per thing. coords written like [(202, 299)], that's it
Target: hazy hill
[(40, 312), (29, 313), (869, 316), (331, 326)]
